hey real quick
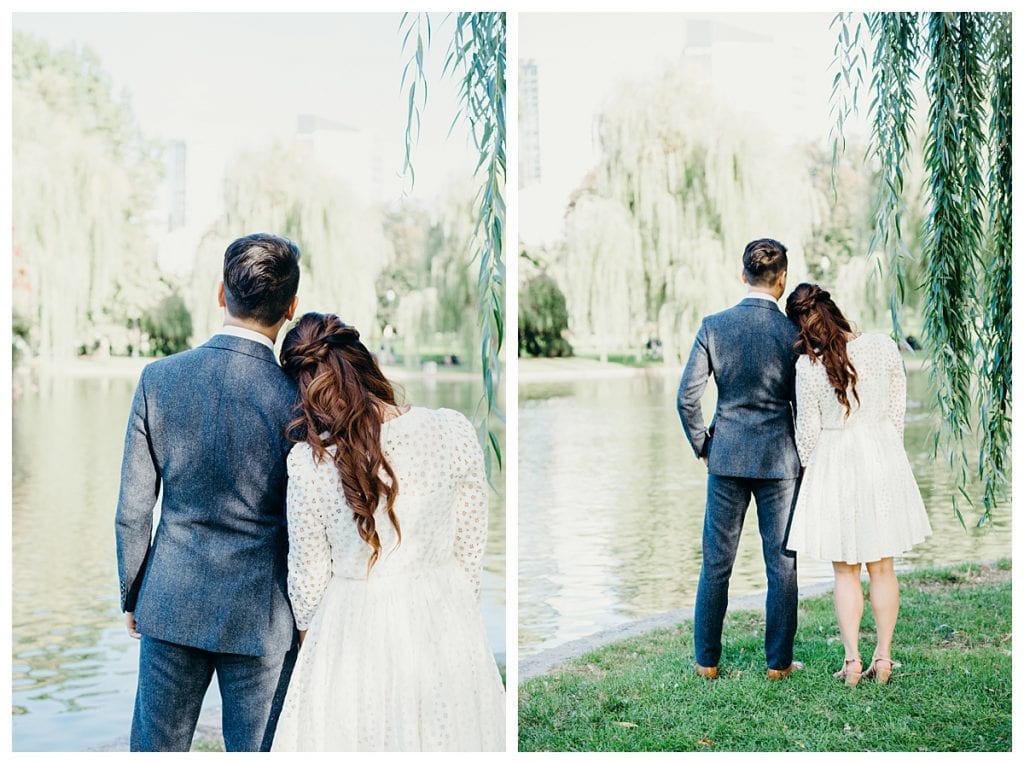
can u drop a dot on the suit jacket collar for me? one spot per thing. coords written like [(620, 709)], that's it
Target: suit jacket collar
[(242, 345), (757, 302)]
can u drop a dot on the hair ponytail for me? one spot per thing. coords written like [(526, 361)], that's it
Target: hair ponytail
[(342, 392), (824, 332)]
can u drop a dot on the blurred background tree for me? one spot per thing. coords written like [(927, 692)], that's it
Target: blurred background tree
[(344, 248), (85, 274), (428, 290), (83, 181), (543, 317), (680, 184)]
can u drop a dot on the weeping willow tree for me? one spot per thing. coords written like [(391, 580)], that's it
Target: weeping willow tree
[(475, 59), (431, 275), (965, 256), (285, 191), (683, 185), (451, 272), (599, 274), (83, 180)]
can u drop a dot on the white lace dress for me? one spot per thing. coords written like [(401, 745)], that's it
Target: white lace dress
[(397, 660), (858, 500)]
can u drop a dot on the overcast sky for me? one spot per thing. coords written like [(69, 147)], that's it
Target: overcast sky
[(226, 82), (581, 58)]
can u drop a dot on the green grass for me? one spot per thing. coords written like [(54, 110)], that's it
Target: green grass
[(207, 745), (952, 692)]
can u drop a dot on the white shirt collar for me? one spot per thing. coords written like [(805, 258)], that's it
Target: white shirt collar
[(247, 334), (762, 296)]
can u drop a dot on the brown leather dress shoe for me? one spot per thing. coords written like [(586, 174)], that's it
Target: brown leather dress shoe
[(706, 672), (775, 674)]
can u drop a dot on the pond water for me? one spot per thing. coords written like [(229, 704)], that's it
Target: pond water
[(611, 507), (74, 666)]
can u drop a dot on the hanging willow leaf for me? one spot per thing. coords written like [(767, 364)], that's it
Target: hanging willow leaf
[(896, 55), (954, 230), (849, 62), (420, 24), (476, 59), (967, 316), (997, 335)]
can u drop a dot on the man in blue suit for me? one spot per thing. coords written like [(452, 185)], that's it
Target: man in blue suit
[(208, 592), (749, 450)]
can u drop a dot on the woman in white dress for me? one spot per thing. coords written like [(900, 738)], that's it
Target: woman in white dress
[(858, 501), (387, 518)]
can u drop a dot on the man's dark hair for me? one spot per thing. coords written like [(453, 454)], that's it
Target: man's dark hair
[(763, 261), (261, 276)]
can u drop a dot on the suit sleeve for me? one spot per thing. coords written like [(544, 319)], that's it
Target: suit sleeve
[(691, 388), (140, 487)]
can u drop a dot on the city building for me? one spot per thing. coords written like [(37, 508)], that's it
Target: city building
[(529, 125)]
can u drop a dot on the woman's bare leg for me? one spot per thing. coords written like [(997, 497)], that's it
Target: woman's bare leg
[(885, 603), (849, 599)]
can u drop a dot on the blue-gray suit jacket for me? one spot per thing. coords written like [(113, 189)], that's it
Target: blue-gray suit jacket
[(749, 349), (208, 426)]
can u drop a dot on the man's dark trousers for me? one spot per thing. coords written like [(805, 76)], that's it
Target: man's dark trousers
[(174, 679), (727, 501)]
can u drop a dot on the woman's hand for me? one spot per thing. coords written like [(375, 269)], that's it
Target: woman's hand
[(129, 621)]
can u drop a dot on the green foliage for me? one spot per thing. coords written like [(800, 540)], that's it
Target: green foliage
[(476, 58), (895, 59), (955, 226), (968, 164), (850, 62), (169, 325), (953, 691), (997, 333), (543, 319), (21, 332), (84, 178)]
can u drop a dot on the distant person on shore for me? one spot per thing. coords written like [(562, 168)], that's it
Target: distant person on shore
[(207, 593), (859, 502), (750, 450)]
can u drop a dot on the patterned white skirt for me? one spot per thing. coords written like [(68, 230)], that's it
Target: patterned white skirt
[(858, 500), (395, 663)]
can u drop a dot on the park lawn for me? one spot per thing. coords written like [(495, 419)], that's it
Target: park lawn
[(952, 693)]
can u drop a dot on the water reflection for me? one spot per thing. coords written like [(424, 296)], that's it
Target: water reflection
[(74, 668), (611, 505)]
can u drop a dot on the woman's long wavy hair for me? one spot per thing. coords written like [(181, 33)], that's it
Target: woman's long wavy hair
[(824, 332), (342, 393)]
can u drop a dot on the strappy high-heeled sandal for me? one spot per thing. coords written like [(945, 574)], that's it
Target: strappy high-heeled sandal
[(880, 669), (850, 673)]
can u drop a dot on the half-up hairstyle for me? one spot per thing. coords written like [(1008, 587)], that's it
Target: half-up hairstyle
[(824, 332), (342, 393)]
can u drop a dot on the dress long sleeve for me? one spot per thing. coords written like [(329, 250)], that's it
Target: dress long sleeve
[(470, 481), (897, 407), (808, 412), (309, 551)]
